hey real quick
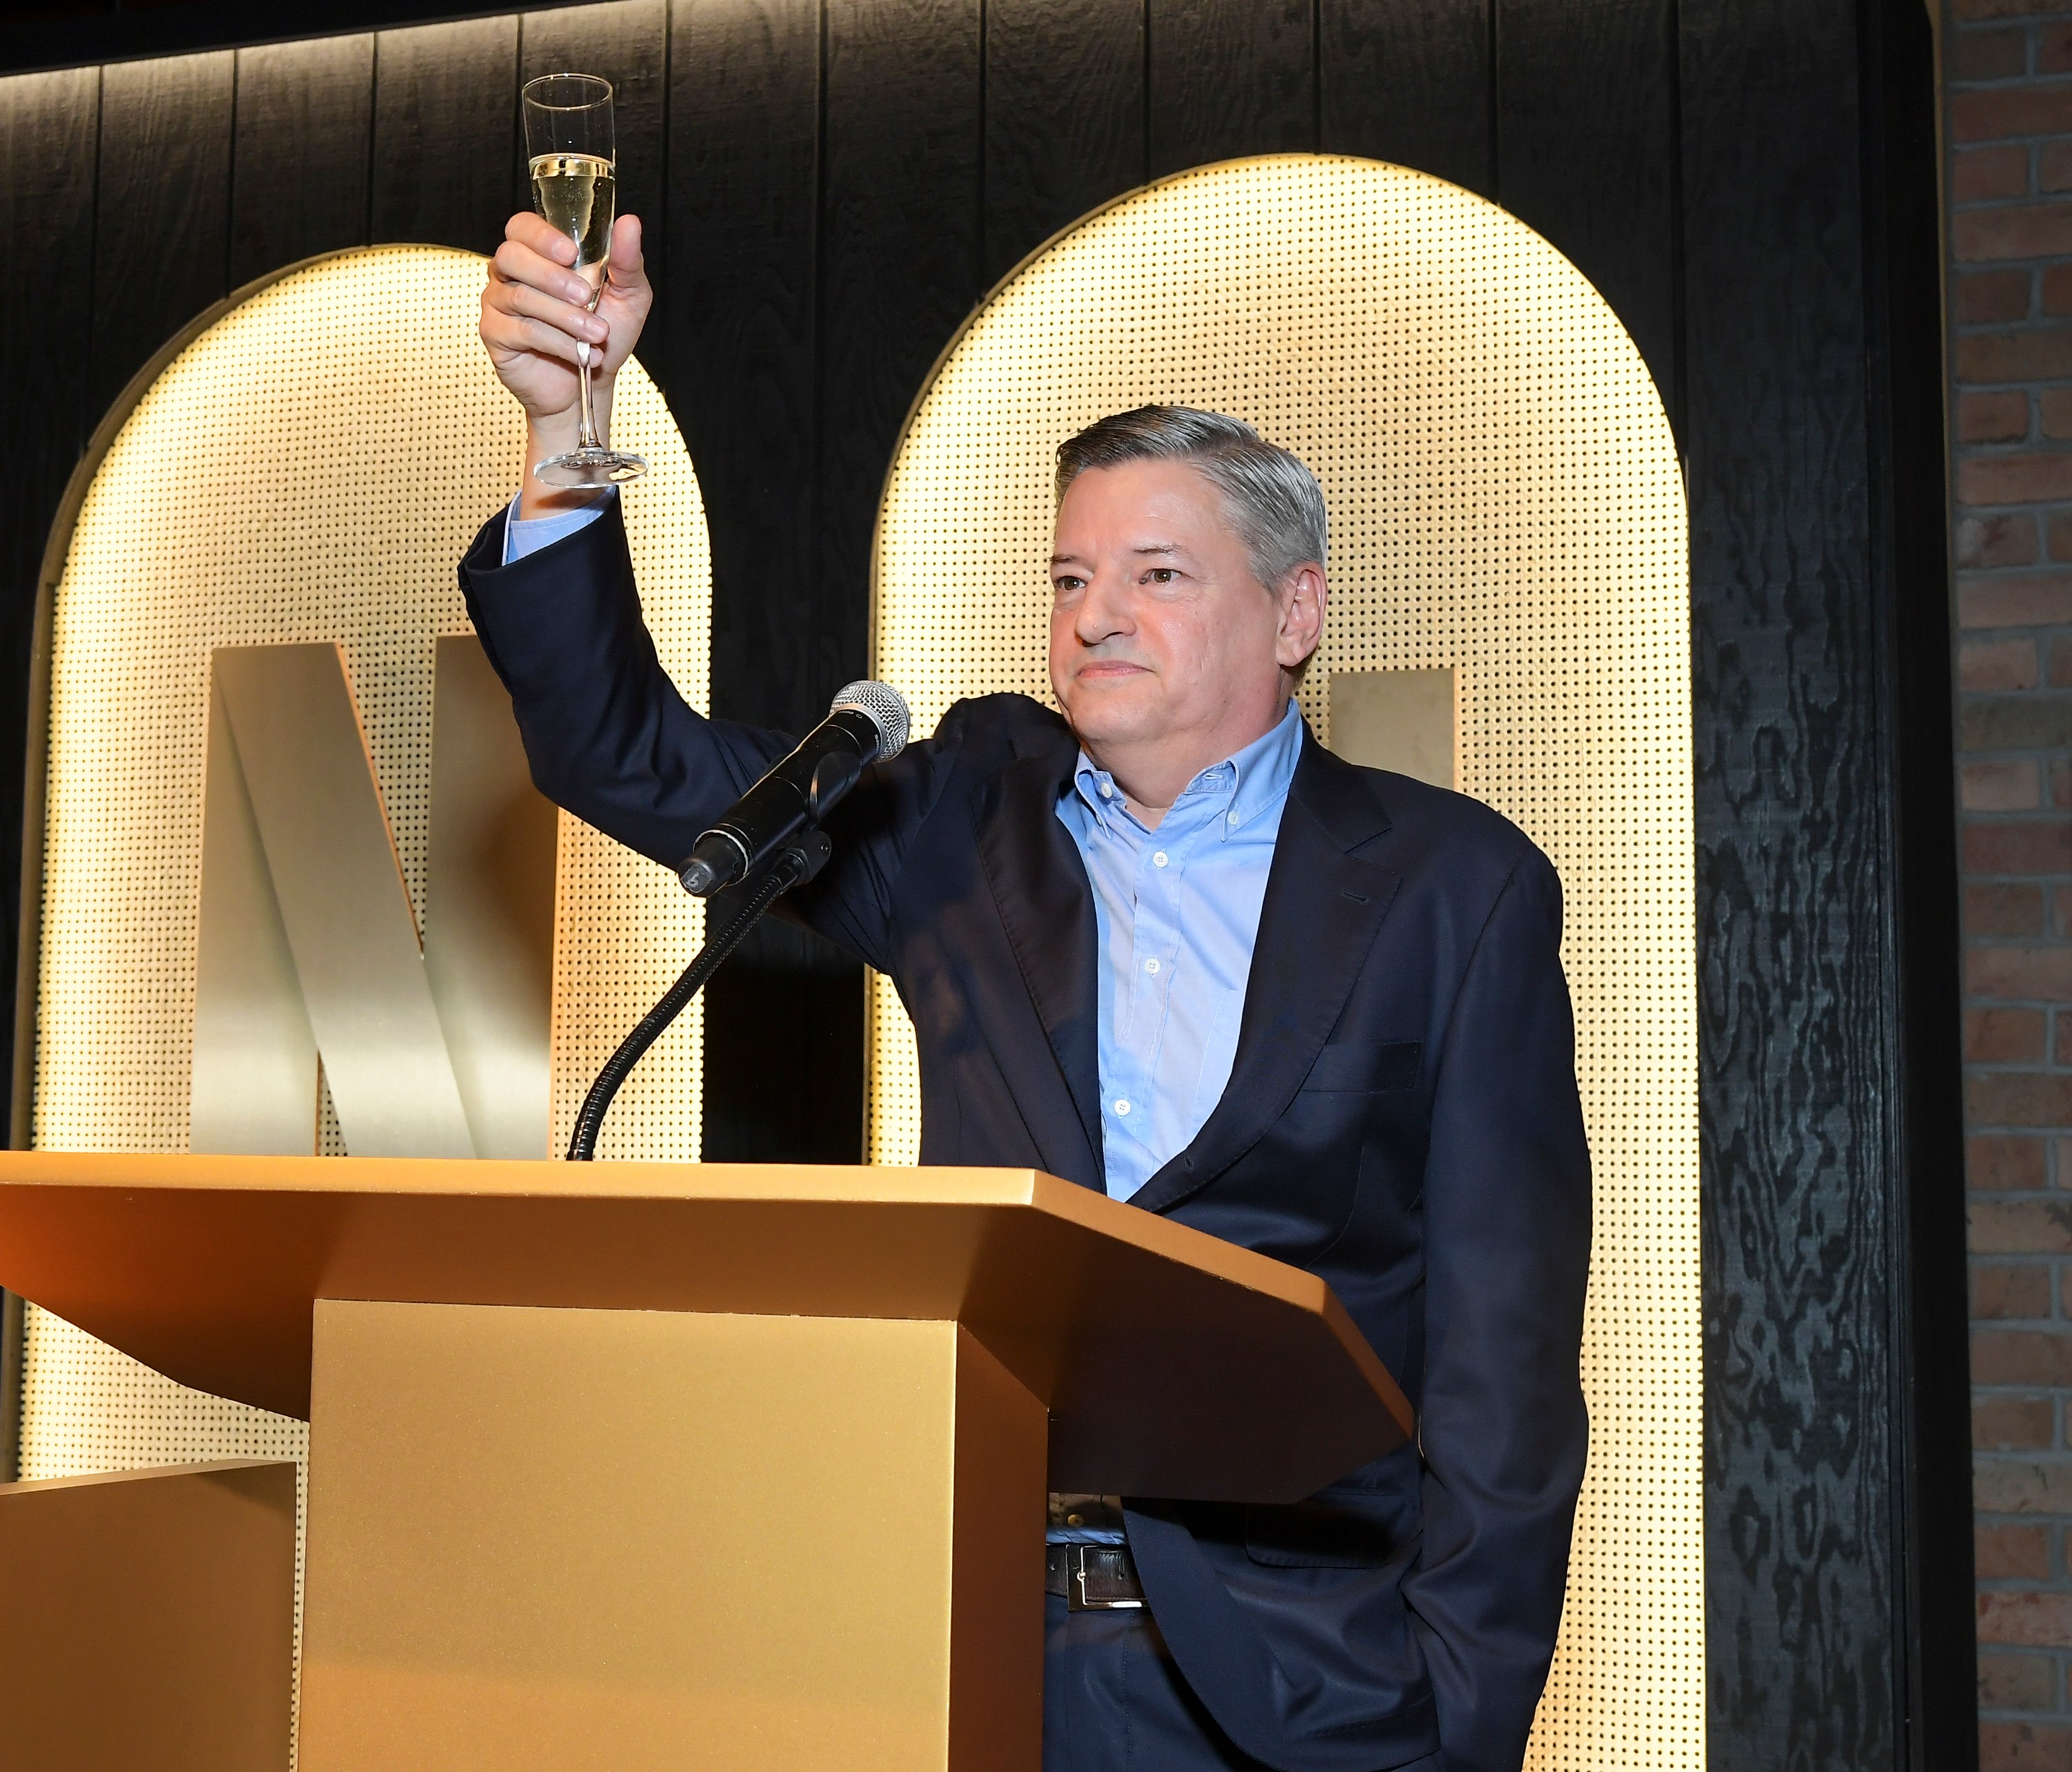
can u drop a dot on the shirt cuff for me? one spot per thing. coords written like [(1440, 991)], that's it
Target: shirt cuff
[(524, 535)]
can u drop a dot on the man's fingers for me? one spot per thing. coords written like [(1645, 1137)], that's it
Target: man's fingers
[(535, 307), (530, 303), (513, 333), (531, 230), (546, 340), (516, 263)]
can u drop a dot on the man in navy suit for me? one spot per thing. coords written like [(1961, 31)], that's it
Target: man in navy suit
[(1168, 946)]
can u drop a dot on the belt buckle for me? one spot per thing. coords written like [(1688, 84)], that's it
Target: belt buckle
[(1077, 1597)]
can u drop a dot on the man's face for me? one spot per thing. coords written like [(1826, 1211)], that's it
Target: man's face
[(1159, 631)]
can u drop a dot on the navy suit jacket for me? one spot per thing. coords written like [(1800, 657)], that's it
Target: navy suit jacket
[(1402, 1119)]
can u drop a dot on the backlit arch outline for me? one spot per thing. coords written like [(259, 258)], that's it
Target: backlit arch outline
[(306, 462), (1506, 504)]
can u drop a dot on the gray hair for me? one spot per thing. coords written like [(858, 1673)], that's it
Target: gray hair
[(1274, 501)]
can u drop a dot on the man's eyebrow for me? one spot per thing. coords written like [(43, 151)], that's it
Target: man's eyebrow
[(1149, 547)]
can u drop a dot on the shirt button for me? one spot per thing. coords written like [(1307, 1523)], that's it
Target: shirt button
[(1122, 1106), (1158, 860), (1233, 817), (1107, 793), (1151, 966)]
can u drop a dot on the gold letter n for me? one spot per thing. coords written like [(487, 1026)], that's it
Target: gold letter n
[(431, 1046)]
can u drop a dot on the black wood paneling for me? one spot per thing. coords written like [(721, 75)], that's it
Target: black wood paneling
[(161, 220), (1795, 1096), (1065, 120), (899, 270), (48, 126), (299, 176), (1587, 143), (783, 1053), (1410, 85), (783, 1018), (446, 133), (625, 41), (744, 160), (1229, 78), (1930, 1373), (38, 35), (830, 184)]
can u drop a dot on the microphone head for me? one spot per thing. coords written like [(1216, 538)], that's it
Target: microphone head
[(885, 707)]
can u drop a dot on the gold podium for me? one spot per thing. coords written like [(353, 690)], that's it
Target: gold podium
[(643, 1465)]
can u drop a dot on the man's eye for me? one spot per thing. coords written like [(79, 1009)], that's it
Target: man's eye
[(1063, 586), (1161, 575)]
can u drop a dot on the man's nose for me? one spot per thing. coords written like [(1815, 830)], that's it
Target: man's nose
[(1103, 611)]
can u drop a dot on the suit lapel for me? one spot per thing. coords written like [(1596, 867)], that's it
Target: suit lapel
[(1323, 904), (1046, 903)]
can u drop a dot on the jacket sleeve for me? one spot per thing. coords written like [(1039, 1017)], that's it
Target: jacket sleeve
[(1504, 1430), (609, 736)]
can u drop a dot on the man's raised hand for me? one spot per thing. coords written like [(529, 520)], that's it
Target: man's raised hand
[(534, 310)]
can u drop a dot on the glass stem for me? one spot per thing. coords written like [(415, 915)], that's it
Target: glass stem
[(587, 437)]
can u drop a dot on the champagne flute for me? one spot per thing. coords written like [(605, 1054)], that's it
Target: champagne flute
[(569, 141)]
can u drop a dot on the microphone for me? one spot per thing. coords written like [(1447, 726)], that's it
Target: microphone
[(867, 723)]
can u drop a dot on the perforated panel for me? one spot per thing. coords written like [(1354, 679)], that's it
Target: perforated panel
[(1506, 503), (310, 467)]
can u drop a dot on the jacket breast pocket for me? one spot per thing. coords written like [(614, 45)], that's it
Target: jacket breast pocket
[(1366, 1067)]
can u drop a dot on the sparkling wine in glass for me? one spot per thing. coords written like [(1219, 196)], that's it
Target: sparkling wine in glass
[(569, 141)]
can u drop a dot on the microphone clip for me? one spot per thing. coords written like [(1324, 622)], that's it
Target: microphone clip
[(833, 776), (803, 856)]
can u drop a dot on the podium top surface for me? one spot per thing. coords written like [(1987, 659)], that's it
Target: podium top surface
[(1173, 1363)]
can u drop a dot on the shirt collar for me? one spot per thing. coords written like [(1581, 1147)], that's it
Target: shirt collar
[(1255, 779)]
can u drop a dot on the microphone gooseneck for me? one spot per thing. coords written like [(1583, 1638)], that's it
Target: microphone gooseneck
[(796, 862), (773, 828)]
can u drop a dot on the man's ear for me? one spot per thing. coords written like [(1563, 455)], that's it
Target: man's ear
[(1302, 596)]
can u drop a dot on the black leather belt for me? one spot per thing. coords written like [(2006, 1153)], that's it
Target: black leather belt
[(1093, 1577)]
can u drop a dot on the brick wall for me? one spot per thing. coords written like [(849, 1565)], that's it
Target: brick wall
[(2007, 90)]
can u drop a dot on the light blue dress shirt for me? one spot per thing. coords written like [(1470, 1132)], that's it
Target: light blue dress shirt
[(1177, 913), (1177, 909), (524, 535)]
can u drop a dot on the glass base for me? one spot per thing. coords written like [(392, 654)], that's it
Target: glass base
[(590, 468)]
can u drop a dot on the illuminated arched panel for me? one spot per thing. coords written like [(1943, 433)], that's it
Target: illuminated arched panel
[(1506, 504), (310, 466)]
